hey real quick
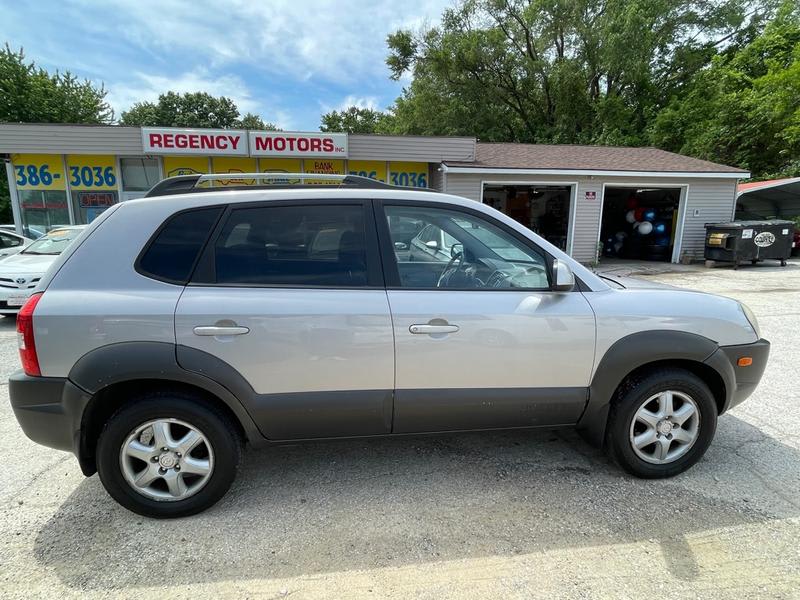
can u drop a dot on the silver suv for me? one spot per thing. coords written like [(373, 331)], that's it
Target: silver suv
[(183, 325)]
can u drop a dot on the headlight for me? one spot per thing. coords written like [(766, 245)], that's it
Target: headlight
[(751, 317)]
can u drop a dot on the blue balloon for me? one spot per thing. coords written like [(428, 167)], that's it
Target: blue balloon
[(659, 227), (649, 215)]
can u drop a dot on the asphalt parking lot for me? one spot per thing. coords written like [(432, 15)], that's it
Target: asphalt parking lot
[(502, 515)]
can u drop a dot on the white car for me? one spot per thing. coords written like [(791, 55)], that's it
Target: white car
[(20, 273), (12, 243), (33, 233)]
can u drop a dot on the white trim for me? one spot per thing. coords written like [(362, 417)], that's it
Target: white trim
[(16, 209), (68, 190), (682, 202), (768, 186), (573, 200), (677, 246), (590, 172)]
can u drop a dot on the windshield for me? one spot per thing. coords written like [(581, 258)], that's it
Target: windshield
[(54, 242)]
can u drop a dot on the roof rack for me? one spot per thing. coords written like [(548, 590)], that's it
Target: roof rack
[(190, 184)]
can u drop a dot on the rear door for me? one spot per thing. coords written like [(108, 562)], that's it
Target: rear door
[(290, 296), (481, 341)]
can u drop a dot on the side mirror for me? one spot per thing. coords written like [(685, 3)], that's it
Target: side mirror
[(433, 245), (400, 246), (563, 277)]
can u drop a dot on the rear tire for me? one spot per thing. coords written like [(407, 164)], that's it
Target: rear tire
[(661, 423), (168, 455)]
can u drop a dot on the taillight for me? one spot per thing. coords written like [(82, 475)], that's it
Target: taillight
[(27, 344)]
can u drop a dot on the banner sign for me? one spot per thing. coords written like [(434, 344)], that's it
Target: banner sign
[(408, 174), (39, 171), (374, 169), (185, 165), (92, 172), (303, 145), (166, 140)]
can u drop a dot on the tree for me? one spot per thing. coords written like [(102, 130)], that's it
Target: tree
[(356, 120), (197, 109), (568, 71), (29, 94), (745, 108)]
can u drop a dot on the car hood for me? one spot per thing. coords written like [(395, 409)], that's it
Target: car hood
[(26, 263)]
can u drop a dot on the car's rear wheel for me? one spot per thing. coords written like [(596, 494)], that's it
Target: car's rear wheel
[(661, 423), (168, 454)]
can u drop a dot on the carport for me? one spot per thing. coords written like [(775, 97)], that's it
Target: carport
[(776, 198)]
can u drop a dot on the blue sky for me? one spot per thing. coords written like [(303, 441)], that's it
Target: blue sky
[(288, 61)]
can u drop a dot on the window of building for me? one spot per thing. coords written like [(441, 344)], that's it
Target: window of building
[(319, 245), (139, 174), (42, 210)]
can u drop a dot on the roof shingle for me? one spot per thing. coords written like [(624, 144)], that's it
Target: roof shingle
[(594, 158)]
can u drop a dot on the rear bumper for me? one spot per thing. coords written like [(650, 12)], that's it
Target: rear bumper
[(740, 382), (49, 410)]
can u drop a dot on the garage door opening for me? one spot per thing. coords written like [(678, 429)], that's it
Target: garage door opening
[(640, 223), (542, 208)]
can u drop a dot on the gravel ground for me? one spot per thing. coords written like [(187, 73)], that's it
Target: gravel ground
[(512, 515)]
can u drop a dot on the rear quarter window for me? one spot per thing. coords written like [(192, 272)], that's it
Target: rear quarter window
[(172, 252)]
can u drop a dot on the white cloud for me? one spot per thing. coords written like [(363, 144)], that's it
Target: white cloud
[(370, 102), (322, 39)]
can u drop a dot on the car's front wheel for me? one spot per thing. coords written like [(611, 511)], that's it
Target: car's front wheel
[(168, 455), (662, 423)]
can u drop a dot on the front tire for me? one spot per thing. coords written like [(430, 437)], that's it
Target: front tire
[(661, 423), (168, 454)]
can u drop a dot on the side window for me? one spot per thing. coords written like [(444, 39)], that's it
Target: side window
[(320, 245), (458, 250), (9, 241), (173, 252)]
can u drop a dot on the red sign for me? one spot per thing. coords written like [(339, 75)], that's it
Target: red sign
[(308, 145), (95, 199), (194, 141)]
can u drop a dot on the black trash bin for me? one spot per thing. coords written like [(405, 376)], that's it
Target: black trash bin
[(742, 241)]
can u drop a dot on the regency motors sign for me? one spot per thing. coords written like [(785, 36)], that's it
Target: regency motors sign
[(294, 144), (229, 142)]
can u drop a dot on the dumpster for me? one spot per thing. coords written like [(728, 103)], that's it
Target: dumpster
[(742, 241)]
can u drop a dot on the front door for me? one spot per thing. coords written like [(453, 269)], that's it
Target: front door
[(480, 339), (290, 296)]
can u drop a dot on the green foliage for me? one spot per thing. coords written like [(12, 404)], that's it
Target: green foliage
[(197, 109), (745, 108), (356, 120), (29, 94), (560, 71)]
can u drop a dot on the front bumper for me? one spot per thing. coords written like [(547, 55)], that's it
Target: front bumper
[(49, 410), (740, 382)]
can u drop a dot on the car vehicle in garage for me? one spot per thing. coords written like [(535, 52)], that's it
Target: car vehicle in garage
[(181, 326), (21, 272)]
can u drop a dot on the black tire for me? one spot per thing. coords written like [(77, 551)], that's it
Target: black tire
[(630, 398), (221, 433)]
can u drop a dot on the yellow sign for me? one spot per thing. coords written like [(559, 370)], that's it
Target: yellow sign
[(280, 165), (325, 166), (374, 169), (408, 174), (226, 164), (92, 172), (39, 171), (185, 165)]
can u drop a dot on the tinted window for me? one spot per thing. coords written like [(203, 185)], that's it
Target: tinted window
[(9, 241), (459, 250), (173, 252), (293, 245)]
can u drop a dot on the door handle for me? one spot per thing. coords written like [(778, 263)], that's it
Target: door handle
[(430, 329), (217, 330)]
